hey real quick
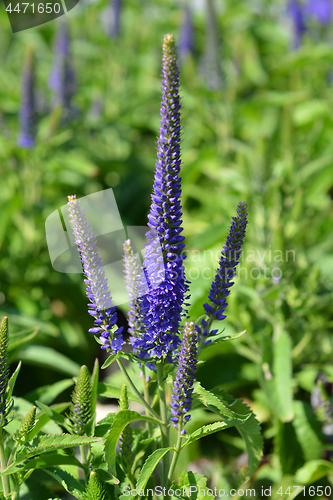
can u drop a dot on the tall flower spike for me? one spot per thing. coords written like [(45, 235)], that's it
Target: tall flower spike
[(164, 302), (81, 407), (183, 385), (100, 306), (220, 288), (125, 440), (27, 134), (3, 370), (62, 78)]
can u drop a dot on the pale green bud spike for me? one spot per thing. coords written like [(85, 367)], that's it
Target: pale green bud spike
[(123, 399), (125, 440), (81, 398), (3, 369), (96, 489), (27, 424)]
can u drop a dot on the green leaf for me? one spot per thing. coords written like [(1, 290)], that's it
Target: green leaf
[(49, 358), (149, 467), (313, 471), (110, 360), (53, 415), (20, 339), (276, 375), (47, 393), (205, 431), (251, 433), (67, 481), (218, 404), (308, 430), (94, 386), (12, 380), (43, 419), (41, 462), (198, 482), (123, 418), (43, 444), (218, 338), (113, 392)]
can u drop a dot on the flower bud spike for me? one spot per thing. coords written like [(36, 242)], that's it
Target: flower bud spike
[(81, 401), (125, 440), (3, 370)]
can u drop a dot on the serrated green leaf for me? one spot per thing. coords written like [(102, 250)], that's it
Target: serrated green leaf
[(251, 433), (198, 482), (67, 481), (217, 404), (123, 418), (53, 415), (149, 467), (41, 462), (43, 444)]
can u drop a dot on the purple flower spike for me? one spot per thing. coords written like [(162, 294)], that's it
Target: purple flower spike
[(183, 385), (320, 10), (163, 304), (220, 288), (62, 78), (296, 13), (100, 306), (27, 133)]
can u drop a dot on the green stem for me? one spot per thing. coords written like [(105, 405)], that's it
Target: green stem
[(85, 462), (5, 482), (176, 454), (146, 396), (164, 425), (142, 401)]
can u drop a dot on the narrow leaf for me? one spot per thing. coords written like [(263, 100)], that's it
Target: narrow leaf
[(68, 482), (43, 444), (60, 419), (12, 380), (123, 418), (94, 386), (149, 467)]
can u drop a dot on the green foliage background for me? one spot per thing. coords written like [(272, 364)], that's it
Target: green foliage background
[(264, 137)]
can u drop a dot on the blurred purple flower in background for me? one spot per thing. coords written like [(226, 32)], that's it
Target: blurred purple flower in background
[(27, 133), (210, 67), (110, 18), (186, 35), (62, 77), (297, 15), (320, 10)]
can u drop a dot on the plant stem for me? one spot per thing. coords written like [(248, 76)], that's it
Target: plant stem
[(84, 462), (142, 401), (176, 454), (164, 425), (146, 396), (5, 482)]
